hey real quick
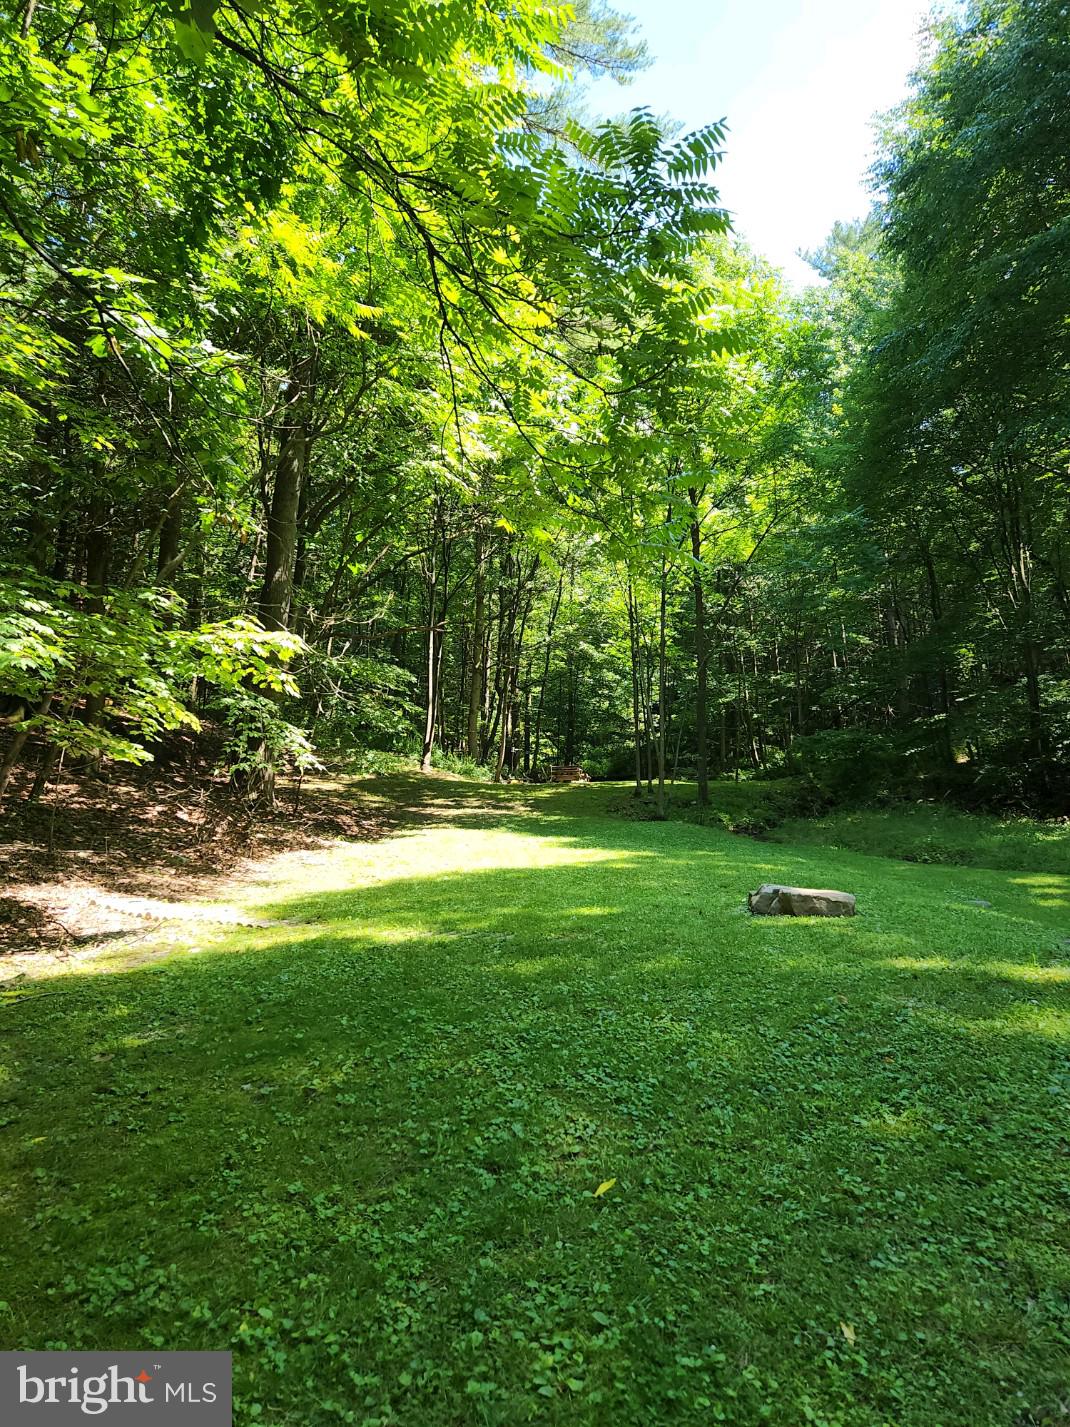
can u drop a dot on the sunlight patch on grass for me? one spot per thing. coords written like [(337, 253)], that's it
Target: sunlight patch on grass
[(524, 967), (135, 1042), (920, 963), (896, 1127), (397, 936), (1048, 891), (1011, 970), (1023, 1018), (670, 961), (1037, 974), (439, 852)]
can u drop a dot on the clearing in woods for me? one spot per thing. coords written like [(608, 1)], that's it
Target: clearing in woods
[(516, 1116)]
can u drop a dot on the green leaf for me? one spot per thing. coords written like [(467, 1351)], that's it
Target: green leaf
[(192, 41)]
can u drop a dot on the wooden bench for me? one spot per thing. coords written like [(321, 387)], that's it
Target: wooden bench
[(567, 773)]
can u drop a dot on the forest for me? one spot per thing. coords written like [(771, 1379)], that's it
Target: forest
[(389, 435), (366, 398)]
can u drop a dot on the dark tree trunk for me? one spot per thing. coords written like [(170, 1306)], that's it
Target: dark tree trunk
[(45, 767), (475, 666), (431, 703), (13, 752), (570, 709), (943, 678), (276, 589), (546, 670), (97, 557), (169, 550), (514, 643), (300, 569), (633, 646), (701, 656), (437, 577), (1038, 743), (662, 808)]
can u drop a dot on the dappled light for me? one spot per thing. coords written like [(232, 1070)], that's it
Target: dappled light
[(534, 745), (442, 1044)]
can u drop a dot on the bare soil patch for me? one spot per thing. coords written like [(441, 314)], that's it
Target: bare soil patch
[(99, 859)]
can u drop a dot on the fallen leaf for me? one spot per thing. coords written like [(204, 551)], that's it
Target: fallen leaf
[(848, 1332), (604, 1187)]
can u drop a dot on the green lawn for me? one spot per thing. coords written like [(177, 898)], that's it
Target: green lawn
[(363, 1151), (926, 833)]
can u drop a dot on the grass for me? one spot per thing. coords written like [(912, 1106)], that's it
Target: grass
[(364, 1151), (375, 762), (927, 833), (751, 805)]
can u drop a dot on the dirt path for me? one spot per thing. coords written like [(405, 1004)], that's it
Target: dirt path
[(98, 862), (114, 864)]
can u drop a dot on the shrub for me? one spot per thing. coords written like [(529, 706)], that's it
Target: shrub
[(852, 765), (64, 652), (260, 742)]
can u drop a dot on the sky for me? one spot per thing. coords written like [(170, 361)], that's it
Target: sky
[(799, 82)]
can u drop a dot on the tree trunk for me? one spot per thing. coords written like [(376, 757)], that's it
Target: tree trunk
[(276, 590), (506, 729), (527, 721), (49, 756), (437, 575), (300, 564), (551, 625), (513, 644), (97, 556), (431, 705), (661, 806), (13, 752), (943, 677), (475, 668), (633, 643), (570, 709), (1038, 743), (169, 550), (701, 656)]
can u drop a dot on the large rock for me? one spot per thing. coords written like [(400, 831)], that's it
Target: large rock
[(774, 900)]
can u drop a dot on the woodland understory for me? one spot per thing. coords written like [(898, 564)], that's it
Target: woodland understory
[(364, 399)]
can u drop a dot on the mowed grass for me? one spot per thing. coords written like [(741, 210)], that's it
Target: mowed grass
[(363, 1152), (931, 833)]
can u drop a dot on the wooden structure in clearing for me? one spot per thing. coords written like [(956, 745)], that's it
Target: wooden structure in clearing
[(568, 773)]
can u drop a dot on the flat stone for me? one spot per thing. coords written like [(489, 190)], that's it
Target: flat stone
[(775, 900)]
